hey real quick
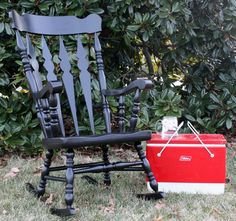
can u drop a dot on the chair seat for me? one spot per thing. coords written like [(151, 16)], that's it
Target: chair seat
[(92, 140)]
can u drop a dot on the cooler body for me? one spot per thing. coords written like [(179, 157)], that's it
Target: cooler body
[(185, 165)]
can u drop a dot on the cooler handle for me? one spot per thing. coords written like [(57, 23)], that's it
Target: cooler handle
[(195, 132), (175, 133), (191, 127)]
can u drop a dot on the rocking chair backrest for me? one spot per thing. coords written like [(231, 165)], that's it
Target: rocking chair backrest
[(49, 110)]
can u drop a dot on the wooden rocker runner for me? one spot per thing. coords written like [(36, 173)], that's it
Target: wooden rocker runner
[(47, 97)]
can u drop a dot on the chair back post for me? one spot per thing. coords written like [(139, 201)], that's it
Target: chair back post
[(102, 82), (41, 106)]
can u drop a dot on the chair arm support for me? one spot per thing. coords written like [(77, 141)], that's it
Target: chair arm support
[(141, 84), (52, 87)]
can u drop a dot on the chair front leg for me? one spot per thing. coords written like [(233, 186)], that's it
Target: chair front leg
[(45, 172), (146, 166), (69, 195), (107, 179)]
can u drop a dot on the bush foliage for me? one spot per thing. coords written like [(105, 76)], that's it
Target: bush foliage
[(186, 47)]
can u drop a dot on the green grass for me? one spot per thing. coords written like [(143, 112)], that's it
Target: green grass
[(116, 203)]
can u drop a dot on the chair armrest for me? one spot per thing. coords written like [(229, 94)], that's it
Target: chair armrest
[(52, 87), (141, 84)]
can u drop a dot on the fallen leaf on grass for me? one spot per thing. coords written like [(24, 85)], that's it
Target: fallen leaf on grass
[(210, 218), (108, 209), (160, 205), (37, 171), (125, 154), (30, 218), (233, 146), (86, 159), (223, 206), (13, 173), (175, 212), (215, 213), (64, 159), (233, 154), (119, 151), (49, 200), (159, 218), (3, 162)]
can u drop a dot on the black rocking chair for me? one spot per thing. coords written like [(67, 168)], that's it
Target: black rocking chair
[(47, 96)]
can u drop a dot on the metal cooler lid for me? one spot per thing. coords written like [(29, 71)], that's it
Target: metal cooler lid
[(188, 139)]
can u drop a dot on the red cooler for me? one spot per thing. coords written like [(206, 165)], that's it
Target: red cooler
[(188, 164)]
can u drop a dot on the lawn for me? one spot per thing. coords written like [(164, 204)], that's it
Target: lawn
[(116, 203)]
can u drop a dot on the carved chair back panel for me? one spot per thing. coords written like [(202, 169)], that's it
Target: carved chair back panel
[(39, 66)]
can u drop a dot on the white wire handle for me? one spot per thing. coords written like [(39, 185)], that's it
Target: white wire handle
[(178, 128), (191, 127)]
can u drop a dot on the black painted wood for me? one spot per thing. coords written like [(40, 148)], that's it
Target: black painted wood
[(55, 25), (92, 140), (68, 82), (56, 130), (51, 76), (129, 166), (117, 166), (121, 114), (87, 165), (52, 87), (69, 196), (107, 178), (99, 59), (141, 84), (34, 63), (47, 118), (49, 66), (26, 56), (85, 79), (45, 172), (102, 82), (135, 110), (26, 62), (60, 80), (146, 166), (55, 178)]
